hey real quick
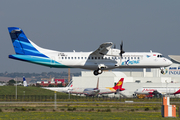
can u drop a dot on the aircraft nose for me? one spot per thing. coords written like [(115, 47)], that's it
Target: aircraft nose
[(169, 62)]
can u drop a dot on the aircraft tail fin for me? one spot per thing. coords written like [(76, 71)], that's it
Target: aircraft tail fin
[(118, 86), (97, 84), (24, 82), (70, 85), (22, 45)]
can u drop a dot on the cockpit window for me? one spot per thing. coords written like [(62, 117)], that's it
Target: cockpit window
[(159, 56)]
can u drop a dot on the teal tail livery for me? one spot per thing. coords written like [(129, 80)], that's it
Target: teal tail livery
[(104, 58), (27, 51)]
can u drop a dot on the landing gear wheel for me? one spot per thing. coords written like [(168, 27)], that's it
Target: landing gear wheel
[(162, 71), (99, 71), (96, 72)]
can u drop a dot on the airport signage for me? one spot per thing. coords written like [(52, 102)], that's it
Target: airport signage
[(174, 70)]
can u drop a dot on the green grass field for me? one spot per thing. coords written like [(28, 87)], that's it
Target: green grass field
[(73, 110), (82, 116), (11, 90), (87, 111)]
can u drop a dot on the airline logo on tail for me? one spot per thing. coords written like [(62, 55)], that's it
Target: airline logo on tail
[(118, 86)]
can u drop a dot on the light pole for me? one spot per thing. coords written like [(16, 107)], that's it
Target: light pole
[(16, 88), (167, 87), (55, 100)]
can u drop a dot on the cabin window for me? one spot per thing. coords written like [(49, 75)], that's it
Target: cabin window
[(71, 57), (148, 81), (134, 57), (85, 57), (88, 57), (138, 58), (137, 81), (78, 57), (95, 57), (102, 58), (68, 57), (92, 57), (62, 57), (81, 57), (98, 57), (131, 57), (65, 57), (74, 57)]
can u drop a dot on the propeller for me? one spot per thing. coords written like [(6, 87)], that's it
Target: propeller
[(121, 51), (114, 46)]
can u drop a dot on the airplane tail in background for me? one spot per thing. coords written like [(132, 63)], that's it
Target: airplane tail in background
[(24, 82), (22, 45), (97, 84), (118, 86)]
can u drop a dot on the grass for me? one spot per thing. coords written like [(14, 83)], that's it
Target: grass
[(10, 90), (81, 116), (84, 111)]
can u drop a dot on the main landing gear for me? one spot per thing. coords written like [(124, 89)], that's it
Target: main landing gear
[(98, 71)]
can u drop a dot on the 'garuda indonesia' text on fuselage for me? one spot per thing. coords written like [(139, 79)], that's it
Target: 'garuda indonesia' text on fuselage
[(104, 58)]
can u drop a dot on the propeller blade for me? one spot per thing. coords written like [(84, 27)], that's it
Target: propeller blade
[(121, 51)]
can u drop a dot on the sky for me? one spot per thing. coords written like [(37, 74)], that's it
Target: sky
[(82, 25)]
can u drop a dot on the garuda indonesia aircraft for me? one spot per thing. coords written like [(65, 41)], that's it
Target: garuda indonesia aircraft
[(104, 58)]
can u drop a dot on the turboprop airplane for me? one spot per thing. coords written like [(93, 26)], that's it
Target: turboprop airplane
[(104, 58), (158, 90), (98, 91)]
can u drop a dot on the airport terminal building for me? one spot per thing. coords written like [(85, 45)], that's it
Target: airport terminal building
[(132, 79)]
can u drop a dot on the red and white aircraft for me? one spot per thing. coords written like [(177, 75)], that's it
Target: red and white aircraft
[(158, 90)]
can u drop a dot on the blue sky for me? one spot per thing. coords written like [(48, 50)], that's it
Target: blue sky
[(82, 25)]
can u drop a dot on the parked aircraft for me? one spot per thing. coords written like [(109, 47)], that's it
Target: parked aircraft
[(97, 90), (104, 58), (24, 82), (61, 89), (158, 90)]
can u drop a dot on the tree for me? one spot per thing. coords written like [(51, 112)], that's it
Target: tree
[(11, 82)]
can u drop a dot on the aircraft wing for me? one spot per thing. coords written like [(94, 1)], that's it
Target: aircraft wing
[(103, 49)]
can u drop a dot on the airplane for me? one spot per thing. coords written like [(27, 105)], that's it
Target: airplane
[(158, 90), (61, 89), (24, 82), (104, 58), (98, 91)]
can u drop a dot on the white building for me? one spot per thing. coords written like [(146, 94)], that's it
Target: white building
[(132, 80)]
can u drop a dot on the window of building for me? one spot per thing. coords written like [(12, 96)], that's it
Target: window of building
[(137, 81)]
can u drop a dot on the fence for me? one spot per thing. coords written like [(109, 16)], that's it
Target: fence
[(50, 98)]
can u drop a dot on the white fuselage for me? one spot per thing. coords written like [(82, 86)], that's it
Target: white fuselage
[(161, 90), (129, 60)]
